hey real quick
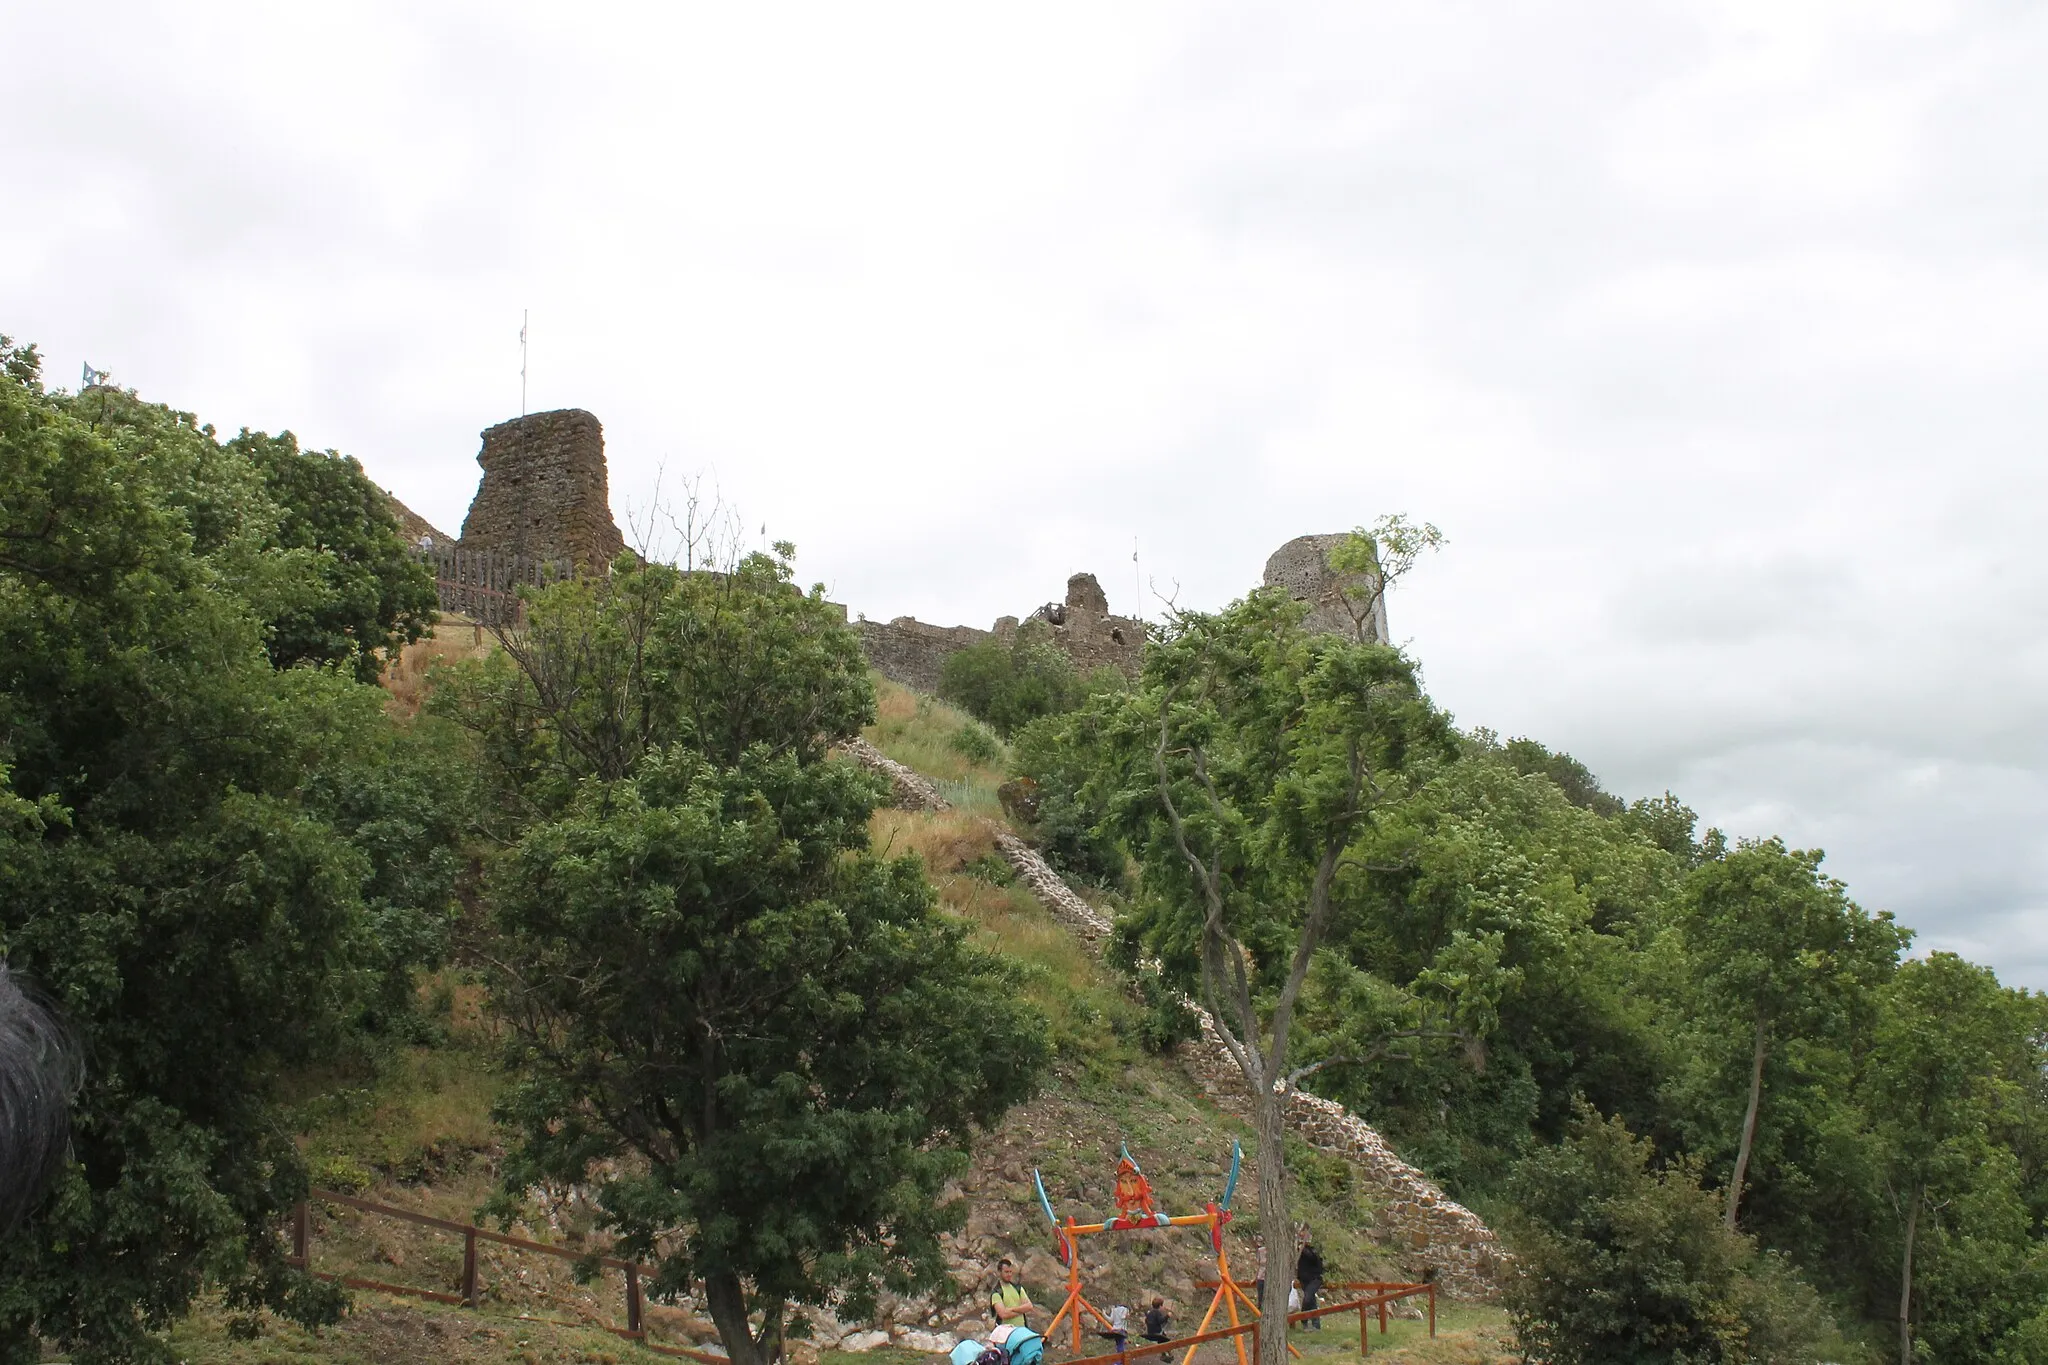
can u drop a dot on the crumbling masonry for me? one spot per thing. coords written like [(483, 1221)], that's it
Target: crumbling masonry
[(545, 494), (910, 652)]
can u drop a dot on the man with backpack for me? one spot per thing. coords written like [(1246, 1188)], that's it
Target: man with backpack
[(1009, 1304)]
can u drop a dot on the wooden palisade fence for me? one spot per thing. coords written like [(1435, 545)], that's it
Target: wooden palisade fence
[(484, 584)]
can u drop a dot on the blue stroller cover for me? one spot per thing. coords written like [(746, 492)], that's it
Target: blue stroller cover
[(967, 1352), (1025, 1347)]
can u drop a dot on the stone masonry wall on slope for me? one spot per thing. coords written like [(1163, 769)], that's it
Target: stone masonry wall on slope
[(1422, 1227)]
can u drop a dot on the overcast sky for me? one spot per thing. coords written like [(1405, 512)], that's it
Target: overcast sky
[(1712, 336)]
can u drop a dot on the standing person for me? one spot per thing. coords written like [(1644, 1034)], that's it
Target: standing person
[(1009, 1303), (1258, 1268), (1156, 1318), (1308, 1269)]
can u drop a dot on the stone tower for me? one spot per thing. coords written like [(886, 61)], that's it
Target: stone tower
[(545, 494), (1302, 566)]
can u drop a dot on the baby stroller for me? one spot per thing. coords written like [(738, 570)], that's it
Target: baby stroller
[(1007, 1345)]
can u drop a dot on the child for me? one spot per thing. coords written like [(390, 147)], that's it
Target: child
[(1156, 1318), (1119, 1326)]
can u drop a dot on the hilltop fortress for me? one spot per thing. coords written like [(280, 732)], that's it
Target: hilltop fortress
[(545, 502)]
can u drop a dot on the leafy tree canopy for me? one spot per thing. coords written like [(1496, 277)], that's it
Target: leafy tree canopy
[(708, 970), (215, 868)]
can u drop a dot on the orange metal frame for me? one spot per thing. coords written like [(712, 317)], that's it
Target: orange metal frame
[(1229, 1297)]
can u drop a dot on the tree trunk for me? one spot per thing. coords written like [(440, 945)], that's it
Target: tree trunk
[(1742, 1150), (1276, 1225), (727, 1300), (1906, 1279)]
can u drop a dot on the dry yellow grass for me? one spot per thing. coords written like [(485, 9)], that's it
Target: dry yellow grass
[(406, 676), (946, 840)]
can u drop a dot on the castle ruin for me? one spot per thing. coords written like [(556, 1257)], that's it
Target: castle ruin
[(1353, 605), (545, 494), (909, 652)]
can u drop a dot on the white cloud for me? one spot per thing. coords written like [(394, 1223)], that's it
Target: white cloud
[(1707, 331)]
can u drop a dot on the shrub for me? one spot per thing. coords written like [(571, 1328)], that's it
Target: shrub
[(974, 743), (1008, 686), (1619, 1262)]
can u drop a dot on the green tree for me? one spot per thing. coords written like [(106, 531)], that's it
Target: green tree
[(361, 591), (1620, 1263), (1949, 1060), (707, 970), (1783, 950), (1488, 870), (1242, 773), (170, 871)]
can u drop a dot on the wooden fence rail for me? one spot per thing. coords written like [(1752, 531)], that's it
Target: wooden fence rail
[(1379, 1294), (471, 1295)]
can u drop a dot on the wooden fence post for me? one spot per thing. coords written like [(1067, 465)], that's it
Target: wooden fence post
[(1432, 1308), (1364, 1337), (302, 1236), (470, 1297), (633, 1298)]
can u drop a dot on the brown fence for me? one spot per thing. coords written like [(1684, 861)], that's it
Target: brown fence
[(1377, 1295), (484, 584), (471, 1294)]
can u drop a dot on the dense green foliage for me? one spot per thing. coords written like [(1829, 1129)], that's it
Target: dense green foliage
[(1620, 1263), (1507, 942), (363, 592), (728, 1013), (1244, 773), (1009, 686), (218, 868)]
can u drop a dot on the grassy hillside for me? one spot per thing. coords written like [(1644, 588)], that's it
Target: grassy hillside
[(415, 1131)]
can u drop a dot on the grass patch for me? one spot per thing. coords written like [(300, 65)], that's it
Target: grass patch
[(413, 1114), (942, 742), (1465, 1335), (383, 1328), (407, 675)]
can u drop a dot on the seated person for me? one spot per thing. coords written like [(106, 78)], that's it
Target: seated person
[(1119, 1326), (1156, 1318)]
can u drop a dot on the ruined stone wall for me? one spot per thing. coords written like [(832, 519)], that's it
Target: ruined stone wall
[(914, 654), (1302, 566), (545, 493), (910, 652)]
